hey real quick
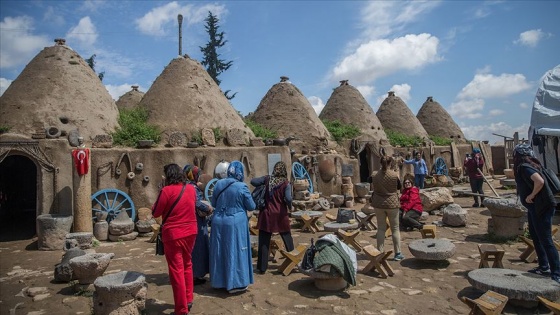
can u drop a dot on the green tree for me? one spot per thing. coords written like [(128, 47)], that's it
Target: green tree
[(91, 62), (214, 65)]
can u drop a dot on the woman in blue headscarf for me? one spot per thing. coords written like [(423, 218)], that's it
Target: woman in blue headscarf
[(231, 263), (201, 250)]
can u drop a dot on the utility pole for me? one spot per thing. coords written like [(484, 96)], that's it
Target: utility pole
[(180, 19)]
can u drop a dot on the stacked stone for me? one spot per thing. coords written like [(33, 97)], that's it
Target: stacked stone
[(348, 191), (302, 196), (122, 228), (145, 222)]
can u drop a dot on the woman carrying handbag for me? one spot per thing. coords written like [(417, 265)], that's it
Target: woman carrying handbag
[(176, 203)]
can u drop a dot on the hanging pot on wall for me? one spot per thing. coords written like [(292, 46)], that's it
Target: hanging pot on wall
[(327, 170)]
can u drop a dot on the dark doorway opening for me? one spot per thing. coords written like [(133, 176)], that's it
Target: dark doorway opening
[(18, 198), (365, 173)]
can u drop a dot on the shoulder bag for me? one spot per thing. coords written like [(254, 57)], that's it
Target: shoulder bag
[(159, 241)]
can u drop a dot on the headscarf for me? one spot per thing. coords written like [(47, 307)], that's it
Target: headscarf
[(191, 172), (279, 175), (235, 170)]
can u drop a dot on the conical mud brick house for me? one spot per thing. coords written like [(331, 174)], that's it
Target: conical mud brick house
[(130, 99), (58, 91), (347, 105), (285, 110), (437, 121), (395, 115), (184, 98)]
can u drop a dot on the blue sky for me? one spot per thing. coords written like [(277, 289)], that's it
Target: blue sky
[(481, 60)]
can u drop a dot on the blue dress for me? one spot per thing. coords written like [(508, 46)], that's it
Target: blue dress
[(201, 250), (231, 263)]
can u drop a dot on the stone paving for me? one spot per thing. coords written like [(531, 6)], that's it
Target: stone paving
[(429, 287)]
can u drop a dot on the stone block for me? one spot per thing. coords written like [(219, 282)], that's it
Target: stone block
[(434, 198), (52, 230), (454, 215)]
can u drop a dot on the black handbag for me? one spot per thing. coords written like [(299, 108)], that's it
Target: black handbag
[(259, 196), (308, 257), (159, 241), (345, 215)]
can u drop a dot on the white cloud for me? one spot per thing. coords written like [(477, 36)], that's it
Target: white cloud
[(52, 16), (382, 18), (92, 5), (117, 91), (530, 38), (523, 105), (495, 112), (485, 132), (317, 104), (469, 109), (378, 58), (490, 86), (366, 90), (17, 44), (4, 83), (160, 20), (84, 33)]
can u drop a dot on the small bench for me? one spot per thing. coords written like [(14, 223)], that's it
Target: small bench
[(490, 303), (155, 230), (309, 223), (365, 221), (491, 253), (529, 255), (428, 231), (253, 230), (553, 306), (349, 238), (292, 259), (378, 261), (275, 246)]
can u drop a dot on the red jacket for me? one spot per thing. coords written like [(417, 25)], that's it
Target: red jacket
[(410, 200), (182, 221)]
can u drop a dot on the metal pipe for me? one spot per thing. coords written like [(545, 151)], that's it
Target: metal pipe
[(180, 19)]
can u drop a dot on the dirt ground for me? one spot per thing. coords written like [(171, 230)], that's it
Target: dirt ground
[(416, 288)]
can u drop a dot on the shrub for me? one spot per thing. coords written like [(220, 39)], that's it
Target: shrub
[(398, 139), (441, 140), (341, 131), (260, 131), (4, 129), (218, 134), (133, 127)]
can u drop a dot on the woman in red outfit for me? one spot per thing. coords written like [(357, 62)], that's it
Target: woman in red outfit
[(411, 207), (178, 234)]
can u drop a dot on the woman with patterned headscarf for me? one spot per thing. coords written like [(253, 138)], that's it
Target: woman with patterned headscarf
[(274, 218), (231, 263), (201, 250)]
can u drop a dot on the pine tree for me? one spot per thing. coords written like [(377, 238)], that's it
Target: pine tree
[(214, 65), (91, 63)]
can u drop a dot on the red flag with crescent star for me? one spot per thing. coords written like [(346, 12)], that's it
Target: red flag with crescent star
[(81, 160)]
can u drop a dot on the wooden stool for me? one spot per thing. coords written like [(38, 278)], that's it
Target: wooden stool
[(378, 261), (365, 221), (488, 253), (349, 238), (428, 231), (309, 223), (253, 230), (275, 246), (155, 229), (490, 303), (330, 217), (554, 307), (292, 259), (529, 254)]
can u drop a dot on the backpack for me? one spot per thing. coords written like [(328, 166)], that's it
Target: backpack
[(259, 194), (552, 180), (308, 257)]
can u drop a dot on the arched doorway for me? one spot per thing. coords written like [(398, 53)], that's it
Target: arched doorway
[(365, 172), (18, 198)]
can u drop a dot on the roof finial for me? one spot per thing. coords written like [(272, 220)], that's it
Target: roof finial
[(343, 82), (60, 41), (391, 93), (284, 78), (134, 87), (180, 19), (430, 99)]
